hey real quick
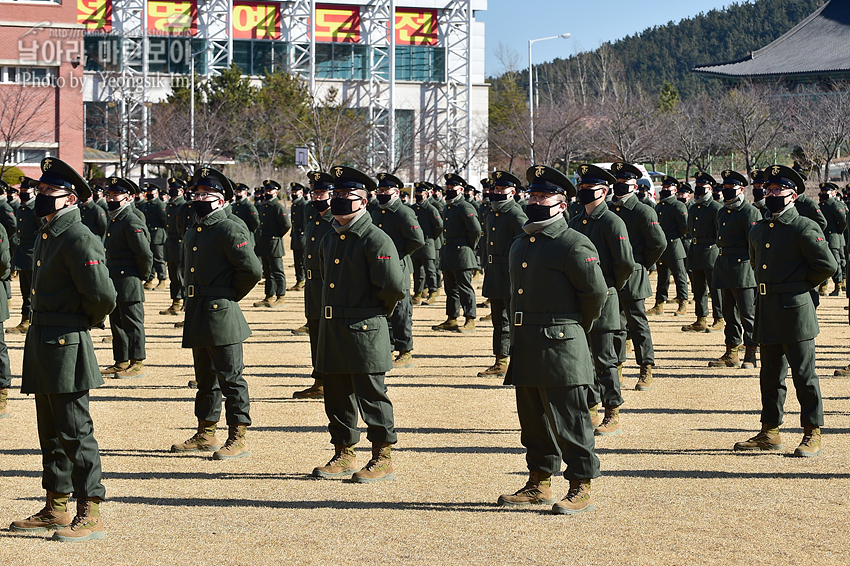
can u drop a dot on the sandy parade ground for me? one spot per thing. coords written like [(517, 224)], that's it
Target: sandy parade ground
[(672, 491)]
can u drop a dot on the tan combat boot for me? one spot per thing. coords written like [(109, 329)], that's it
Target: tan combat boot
[(379, 468), (484, 305), (729, 358), (192, 384), (417, 299), (629, 348), (180, 324), (620, 374), (315, 391), (299, 286), (578, 500), (87, 524), (278, 302), (404, 360), (843, 372), (822, 289), (343, 464), (115, 368), (234, 447), (149, 285), (610, 424), (537, 490), (432, 298), (4, 404), (488, 316), (174, 309), (683, 308), (657, 309), (135, 370), (498, 369), (448, 325), (21, 328), (718, 325), (301, 331), (267, 302), (701, 325), (54, 515), (810, 446), (468, 325), (644, 382), (836, 291), (163, 283), (767, 439), (750, 361), (202, 441), (595, 417)]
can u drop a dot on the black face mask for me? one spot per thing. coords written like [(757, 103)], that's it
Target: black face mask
[(758, 194), (150, 197), (113, 205), (699, 191), (683, 200), (775, 204), (622, 189), (174, 193), (665, 194), (496, 197), (823, 197), (729, 194), (25, 197), (268, 197), (716, 195), (517, 197), (450, 194), (539, 212), (45, 205), (419, 197), (384, 199), (342, 206), (202, 207), (320, 205), (586, 196)]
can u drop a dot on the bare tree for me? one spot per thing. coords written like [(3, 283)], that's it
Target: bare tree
[(625, 129), (819, 121), (25, 116), (171, 129), (561, 132), (691, 132)]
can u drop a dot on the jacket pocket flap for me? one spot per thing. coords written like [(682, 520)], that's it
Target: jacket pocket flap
[(363, 325), (794, 300), (560, 331), (58, 336)]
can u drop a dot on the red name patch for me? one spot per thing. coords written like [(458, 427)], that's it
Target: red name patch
[(588, 260), (653, 223), (242, 244), (383, 257), (414, 227), (819, 240), (622, 237), (93, 262), (137, 231)]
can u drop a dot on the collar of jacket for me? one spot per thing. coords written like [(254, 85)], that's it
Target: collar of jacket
[(787, 217), (62, 222), (393, 205), (510, 204), (551, 231), (357, 226), (177, 201), (629, 202), (669, 200), (29, 204), (213, 217), (121, 212), (601, 209)]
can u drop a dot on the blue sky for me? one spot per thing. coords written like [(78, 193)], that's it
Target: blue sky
[(514, 22)]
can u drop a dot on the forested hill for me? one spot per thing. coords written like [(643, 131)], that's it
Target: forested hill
[(667, 52)]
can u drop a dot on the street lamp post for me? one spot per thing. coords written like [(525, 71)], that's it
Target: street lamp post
[(531, 88), (192, 97)]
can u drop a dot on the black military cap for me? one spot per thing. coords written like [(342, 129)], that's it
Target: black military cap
[(787, 177), (421, 186), (320, 180), (121, 185), (296, 187), (684, 188), (271, 184), (759, 177), (435, 187), (57, 173), (4, 186), (259, 190), (454, 179), (213, 180), (670, 181), (502, 179), (28, 183), (828, 187), (623, 170), (796, 167), (594, 174), (241, 187), (486, 183), (543, 179), (703, 178), (150, 187), (351, 178), (644, 184), (391, 181), (11, 191), (733, 178), (175, 183)]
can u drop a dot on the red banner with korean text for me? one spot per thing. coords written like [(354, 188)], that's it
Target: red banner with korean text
[(256, 20), (96, 15), (337, 23), (414, 26), (173, 17)]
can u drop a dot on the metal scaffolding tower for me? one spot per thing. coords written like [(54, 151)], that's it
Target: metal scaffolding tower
[(456, 30), (214, 25), (378, 28)]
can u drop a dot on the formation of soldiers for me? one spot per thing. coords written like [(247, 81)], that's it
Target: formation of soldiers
[(565, 274)]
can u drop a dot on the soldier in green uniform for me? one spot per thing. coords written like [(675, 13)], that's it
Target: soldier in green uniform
[(400, 224), (274, 224), (425, 258), (362, 280), (609, 235), (129, 259), (9, 221), (174, 245), (558, 290), (5, 366), (318, 224), (436, 274), (27, 226), (245, 210), (71, 293), (836, 223), (297, 214), (758, 192), (702, 254), (733, 276), (648, 243), (220, 269), (13, 198), (644, 190), (462, 231), (790, 256), (153, 209), (93, 217), (503, 224), (673, 218)]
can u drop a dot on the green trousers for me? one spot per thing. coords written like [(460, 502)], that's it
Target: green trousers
[(346, 394), (775, 360), (174, 262), (313, 327), (555, 424), (69, 453), (218, 371), (127, 323), (5, 365)]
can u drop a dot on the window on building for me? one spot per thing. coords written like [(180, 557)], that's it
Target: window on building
[(32, 76), (346, 61), (32, 156), (261, 56), (103, 52), (420, 63)]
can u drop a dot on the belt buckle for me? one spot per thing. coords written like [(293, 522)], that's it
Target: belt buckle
[(694, 242), (309, 274), (490, 258), (518, 318), (328, 312), (190, 291), (762, 289)]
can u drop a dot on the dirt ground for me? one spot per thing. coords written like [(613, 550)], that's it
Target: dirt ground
[(672, 490)]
